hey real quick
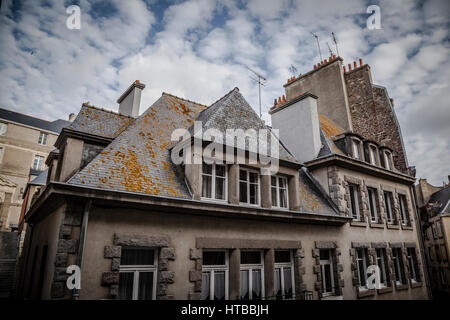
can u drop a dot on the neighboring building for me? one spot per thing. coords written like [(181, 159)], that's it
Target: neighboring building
[(25, 143), (142, 226), (434, 206)]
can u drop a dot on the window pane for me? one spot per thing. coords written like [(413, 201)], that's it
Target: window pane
[(256, 284), (145, 286), (278, 293), (206, 186), (274, 197), (220, 170), (327, 278), (253, 177), (362, 273), (273, 181), (287, 283), (324, 254), (207, 169), (219, 285), (243, 175), (220, 188), (213, 258), (283, 198), (244, 285), (137, 257), (250, 257), (205, 285), (243, 192), (126, 285), (282, 256), (253, 194)]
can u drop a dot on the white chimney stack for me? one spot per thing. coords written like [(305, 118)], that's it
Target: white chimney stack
[(298, 122), (129, 102)]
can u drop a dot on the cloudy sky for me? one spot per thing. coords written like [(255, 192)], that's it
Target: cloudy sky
[(199, 49)]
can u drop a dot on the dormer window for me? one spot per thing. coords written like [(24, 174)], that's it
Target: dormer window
[(356, 144), (372, 155), (214, 182), (249, 187), (279, 189), (388, 160)]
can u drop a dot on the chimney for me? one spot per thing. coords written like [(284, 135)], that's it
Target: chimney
[(129, 102), (72, 117), (298, 122)]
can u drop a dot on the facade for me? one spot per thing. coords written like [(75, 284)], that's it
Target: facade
[(25, 143), (434, 206), (143, 225)]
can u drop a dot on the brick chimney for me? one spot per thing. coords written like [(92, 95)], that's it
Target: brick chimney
[(298, 122), (129, 102)]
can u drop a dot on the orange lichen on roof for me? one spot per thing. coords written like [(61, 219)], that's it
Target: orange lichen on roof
[(309, 200), (329, 128)]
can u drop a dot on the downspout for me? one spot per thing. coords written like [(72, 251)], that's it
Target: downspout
[(422, 249), (79, 261)]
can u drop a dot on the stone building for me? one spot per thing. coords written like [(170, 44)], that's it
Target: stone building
[(144, 226), (434, 207), (25, 143)]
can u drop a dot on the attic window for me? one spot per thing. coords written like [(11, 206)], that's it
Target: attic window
[(214, 182), (356, 144), (388, 160), (372, 155)]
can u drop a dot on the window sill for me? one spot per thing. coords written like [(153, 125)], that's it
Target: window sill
[(362, 293), (406, 227), (403, 286), (416, 284), (332, 298), (214, 200), (393, 226), (385, 290), (376, 225), (361, 224)]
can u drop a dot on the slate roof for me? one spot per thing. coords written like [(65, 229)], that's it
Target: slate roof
[(40, 180), (100, 122), (441, 198), (328, 130), (232, 111), (53, 126)]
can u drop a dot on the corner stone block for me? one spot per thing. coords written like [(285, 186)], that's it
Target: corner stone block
[(67, 246), (57, 289), (194, 296), (195, 254), (110, 278), (112, 251), (114, 290), (60, 274), (115, 264), (61, 259), (65, 231), (195, 276), (167, 276), (167, 253)]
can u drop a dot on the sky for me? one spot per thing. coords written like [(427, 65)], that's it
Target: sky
[(200, 50)]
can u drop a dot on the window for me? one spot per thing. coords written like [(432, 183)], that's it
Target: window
[(398, 266), (215, 275), (38, 162), (361, 263), (355, 149), (403, 209), (1, 154), (279, 192), (138, 274), (372, 155), (248, 187), (284, 275), (3, 128), (373, 196), (252, 275), (327, 272), (354, 201), (382, 264), (42, 138), (388, 160), (413, 265), (214, 184), (438, 252), (389, 206)]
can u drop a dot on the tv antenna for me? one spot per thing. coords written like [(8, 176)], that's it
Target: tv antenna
[(293, 70), (260, 80), (329, 50), (335, 42), (318, 45)]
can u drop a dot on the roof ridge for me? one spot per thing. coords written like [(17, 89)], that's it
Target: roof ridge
[(26, 115), (86, 104), (224, 96), (184, 99)]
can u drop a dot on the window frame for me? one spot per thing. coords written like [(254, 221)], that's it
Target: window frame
[(372, 154), (381, 259), (354, 201), (3, 125), (213, 268), (278, 188), (250, 268), (137, 269), (365, 261), (398, 263), (248, 183), (356, 149), (388, 163), (213, 183), (42, 158), (413, 264), (281, 266), (372, 194), (404, 212), (322, 264), (389, 207), (43, 137)]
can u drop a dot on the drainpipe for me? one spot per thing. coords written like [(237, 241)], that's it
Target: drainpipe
[(84, 223), (422, 249)]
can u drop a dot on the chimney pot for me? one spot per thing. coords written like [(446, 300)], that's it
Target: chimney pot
[(349, 67), (279, 100), (284, 99), (334, 56), (360, 62), (315, 66), (354, 64), (275, 102), (345, 70), (325, 61)]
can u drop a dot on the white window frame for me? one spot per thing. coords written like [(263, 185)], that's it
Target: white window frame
[(322, 271), (412, 270), (5, 130), (387, 160), (248, 187), (281, 266), (381, 259), (43, 137), (213, 183), (364, 262), (403, 208), (388, 207), (137, 269), (250, 268), (41, 166), (372, 195), (213, 268), (396, 260), (277, 187), (372, 155), (356, 149), (356, 197)]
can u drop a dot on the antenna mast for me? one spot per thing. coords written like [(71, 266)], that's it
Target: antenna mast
[(293, 70), (329, 50), (260, 81), (318, 45), (335, 43)]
